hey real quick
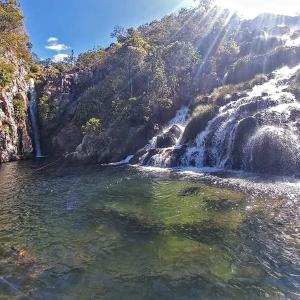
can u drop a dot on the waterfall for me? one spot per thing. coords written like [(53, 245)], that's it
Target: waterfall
[(167, 140), (258, 132), (33, 118)]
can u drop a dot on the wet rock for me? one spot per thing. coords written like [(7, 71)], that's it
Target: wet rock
[(137, 223), (295, 115), (198, 122), (221, 101), (169, 138), (136, 159), (280, 30), (67, 140), (149, 154), (15, 141), (175, 156), (243, 131), (274, 152), (168, 158), (220, 204), (295, 35), (247, 67)]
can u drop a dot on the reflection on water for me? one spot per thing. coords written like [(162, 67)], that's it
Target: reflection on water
[(131, 233)]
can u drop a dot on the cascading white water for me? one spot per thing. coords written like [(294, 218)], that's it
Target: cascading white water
[(175, 128), (258, 132), (177, 124), (33, 118), (179, 120)]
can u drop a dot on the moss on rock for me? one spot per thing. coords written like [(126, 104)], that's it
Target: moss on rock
[(202, 114)]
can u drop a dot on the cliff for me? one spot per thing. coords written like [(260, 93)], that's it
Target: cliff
[(15, 141), (15, 66)]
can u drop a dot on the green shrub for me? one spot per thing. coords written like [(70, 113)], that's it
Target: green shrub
[(48, 110), (259, 79), (19, 109), (201, 115), (90, 59), (10, 16), (6, 74), (35, 71), (92, 126), (5, 128)]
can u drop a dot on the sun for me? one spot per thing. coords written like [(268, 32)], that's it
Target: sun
[(251, 8)]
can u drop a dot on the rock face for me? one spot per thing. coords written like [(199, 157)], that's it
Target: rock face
[(57, 105), (15, 141)]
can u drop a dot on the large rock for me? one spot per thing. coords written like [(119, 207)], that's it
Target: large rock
[(169, 138), (249, 66), (67, 140), (273, 151)]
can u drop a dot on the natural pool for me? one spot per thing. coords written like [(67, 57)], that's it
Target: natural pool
[(133, 233)]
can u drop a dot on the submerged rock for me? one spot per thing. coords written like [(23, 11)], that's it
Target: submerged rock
[(221, 204), (193, 190)]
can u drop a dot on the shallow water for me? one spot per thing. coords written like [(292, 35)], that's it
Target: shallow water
[(140, 233)]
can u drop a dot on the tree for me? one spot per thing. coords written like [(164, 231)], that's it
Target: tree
[(120, 33), (92, 127), (90, 59)]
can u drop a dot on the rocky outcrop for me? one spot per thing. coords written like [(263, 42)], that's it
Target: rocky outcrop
[(247, 67), (67, 140), (57, 101), (15, 141)]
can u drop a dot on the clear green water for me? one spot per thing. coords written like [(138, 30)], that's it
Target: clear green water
[(126, 233)]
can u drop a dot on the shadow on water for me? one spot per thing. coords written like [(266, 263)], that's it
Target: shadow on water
[(93, 232)]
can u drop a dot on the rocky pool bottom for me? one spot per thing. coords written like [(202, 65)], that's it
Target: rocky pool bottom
[(139, 233)]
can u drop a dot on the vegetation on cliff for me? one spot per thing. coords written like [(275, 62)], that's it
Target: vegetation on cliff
[(16, 66), (14, 40)]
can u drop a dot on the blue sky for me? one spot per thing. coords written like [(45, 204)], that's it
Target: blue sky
[(84, 24)]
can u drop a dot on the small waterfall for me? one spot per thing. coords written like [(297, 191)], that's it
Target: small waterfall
[(33, 118), (156, 153), (179, 121)]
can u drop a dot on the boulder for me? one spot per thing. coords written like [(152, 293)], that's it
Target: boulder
[(273, 152), (66, 140), (169, 138)]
